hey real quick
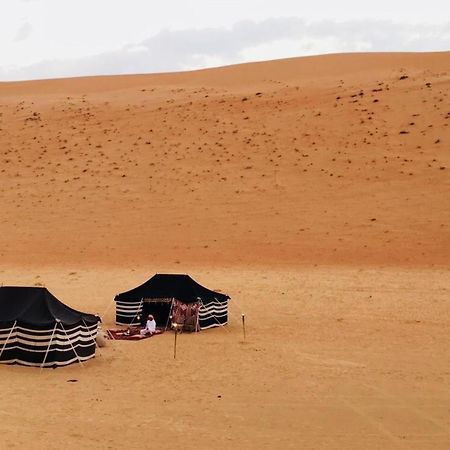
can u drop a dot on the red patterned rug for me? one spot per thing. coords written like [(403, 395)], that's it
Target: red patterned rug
[(131, 334)]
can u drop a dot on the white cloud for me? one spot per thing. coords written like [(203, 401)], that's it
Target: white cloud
[(23, 32), (245, 41)]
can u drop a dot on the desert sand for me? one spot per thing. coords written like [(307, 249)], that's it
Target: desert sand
[(314, 191)]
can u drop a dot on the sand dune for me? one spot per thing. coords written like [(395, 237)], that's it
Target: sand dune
[(336, 159), (314, 191)]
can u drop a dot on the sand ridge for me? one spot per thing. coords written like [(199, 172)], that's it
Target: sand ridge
[(339, 159)]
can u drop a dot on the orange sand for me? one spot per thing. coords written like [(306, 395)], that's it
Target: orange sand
[(314, 191)]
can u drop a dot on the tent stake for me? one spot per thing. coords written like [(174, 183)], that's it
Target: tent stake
[(243, 324)]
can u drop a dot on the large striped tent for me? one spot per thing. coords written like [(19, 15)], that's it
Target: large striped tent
[(172, 298), (36, 329)]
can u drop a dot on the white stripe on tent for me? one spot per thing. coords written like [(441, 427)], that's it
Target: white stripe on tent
[(47, 364), (131, 314), (78, 334), (73, 348), (125, 311), (60, 340), (62, 348), (7, 339), (37, 332), (214, 325), (78, 337), (92, 335), (207, 313), (74, 332), (213, 309), (34, 350), (129, 304), (127, 307)]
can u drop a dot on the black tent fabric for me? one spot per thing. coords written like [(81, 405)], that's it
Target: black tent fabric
[(213, 305), (36, 329)]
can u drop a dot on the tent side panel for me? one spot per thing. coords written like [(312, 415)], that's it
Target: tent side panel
[(28, 347), (128, 313), (213, 314)]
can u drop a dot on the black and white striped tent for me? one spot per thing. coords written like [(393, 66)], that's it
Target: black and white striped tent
[(36, 329), (167, 296)]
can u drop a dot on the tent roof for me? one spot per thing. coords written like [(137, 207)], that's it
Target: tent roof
[(37, 306), (180, 287)]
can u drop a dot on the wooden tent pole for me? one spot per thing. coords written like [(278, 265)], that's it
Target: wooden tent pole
[(170, 315), (175, 325), (49, 344)]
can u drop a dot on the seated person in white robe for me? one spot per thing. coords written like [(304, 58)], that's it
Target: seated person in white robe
[(150, 326)]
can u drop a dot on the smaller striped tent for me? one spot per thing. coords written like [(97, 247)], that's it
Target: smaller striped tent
[(172, 297), (36, 329)]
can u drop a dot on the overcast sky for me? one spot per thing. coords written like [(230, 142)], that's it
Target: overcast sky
[(59, 38)]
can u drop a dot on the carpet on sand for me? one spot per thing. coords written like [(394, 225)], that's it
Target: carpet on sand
[(131, 334)]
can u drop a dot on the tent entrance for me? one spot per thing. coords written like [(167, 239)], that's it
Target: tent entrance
[(186, 316), (159, 308)]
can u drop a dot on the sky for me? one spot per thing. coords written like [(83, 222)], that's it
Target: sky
[(65, 38)]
